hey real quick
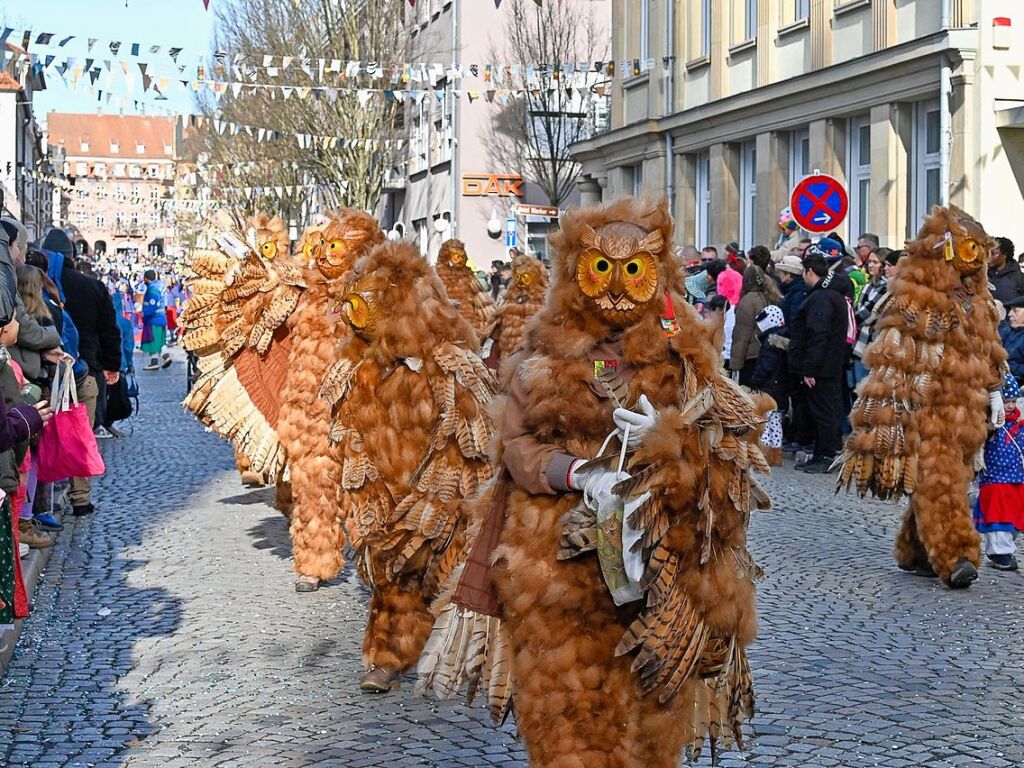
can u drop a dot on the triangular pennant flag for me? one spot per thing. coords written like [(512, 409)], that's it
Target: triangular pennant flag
[(115, 46)]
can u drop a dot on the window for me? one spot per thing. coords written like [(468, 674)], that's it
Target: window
[(926, 188), (859, 177), (645, 30), (85, 146), (114, 148), (748, 194), (750, 20), (799, 156), (168, 149), (100, 169), (140, 148), (101, 221), (794, 11), (633, 179), (135, 219), (702, 198), (81, 169), (119, 169), (705, 27)]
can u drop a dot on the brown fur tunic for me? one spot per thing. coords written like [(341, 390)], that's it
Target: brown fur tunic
[(922, 415), (577, 700), (412, 436), (316, 527), (474, 303)]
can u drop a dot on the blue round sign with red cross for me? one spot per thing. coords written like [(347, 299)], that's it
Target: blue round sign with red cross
[(819, 203)]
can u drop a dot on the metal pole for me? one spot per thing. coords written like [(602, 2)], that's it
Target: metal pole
[(945, 130)]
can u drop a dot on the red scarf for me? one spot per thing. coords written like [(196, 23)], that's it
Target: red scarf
[(1012, 429)]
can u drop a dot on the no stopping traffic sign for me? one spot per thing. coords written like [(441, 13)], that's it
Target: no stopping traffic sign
[(819, 203)]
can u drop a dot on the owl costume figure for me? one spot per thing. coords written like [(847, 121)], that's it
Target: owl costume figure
[(623, 591), (523, 298), (408, 398), (923, 413), (242, 293), (469, 296)]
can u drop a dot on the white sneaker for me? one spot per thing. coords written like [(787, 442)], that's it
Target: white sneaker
[(101, 433), (23, 550)]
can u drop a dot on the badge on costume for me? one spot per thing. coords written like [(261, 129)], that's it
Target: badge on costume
[(605, 366), (668, 317)]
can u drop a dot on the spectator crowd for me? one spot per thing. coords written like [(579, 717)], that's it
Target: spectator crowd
[(798, 318), (60, 320)]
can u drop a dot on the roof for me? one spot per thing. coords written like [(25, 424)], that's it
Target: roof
[(105, 133), (8, 83)]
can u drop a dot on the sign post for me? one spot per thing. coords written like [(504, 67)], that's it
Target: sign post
[(510, 233), (819, 203)]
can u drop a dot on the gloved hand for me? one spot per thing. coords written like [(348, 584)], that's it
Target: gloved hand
[(997, 413), (640, 423)]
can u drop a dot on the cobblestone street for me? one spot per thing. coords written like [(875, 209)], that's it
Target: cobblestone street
[(166, 632)]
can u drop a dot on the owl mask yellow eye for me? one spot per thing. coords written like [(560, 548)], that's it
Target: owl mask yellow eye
[(524, 278), (269, 250), (335, 251), (356, 310)]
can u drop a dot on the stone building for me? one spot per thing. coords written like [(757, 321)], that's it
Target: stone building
[(123, 170), (908, 102)]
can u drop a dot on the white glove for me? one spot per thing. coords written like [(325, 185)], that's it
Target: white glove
[(640, 423), (997, 417)]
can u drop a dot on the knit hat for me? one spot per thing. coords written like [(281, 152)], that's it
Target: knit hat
[(730, 285), (1011, 390), (786, 221), (770, 317), (790, 264), (58, 240), (831, 249)]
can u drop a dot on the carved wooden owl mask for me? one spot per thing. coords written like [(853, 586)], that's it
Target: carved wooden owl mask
[(454, 251), (967, 245), (618, 269), (267, 236)]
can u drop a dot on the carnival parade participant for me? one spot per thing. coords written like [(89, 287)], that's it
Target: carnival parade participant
[(409, 396), (626, 589), (934, 387), (465, 291)]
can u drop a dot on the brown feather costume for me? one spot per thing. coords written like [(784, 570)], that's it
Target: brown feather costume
[(523, 299), (234, 323), (921, 417), (474, 303), (599, 685), (316, 529), (408, 394)]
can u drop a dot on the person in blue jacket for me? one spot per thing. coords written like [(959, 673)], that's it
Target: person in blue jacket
[(154, 323)]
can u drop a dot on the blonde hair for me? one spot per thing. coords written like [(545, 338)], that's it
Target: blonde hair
[(30, 288)]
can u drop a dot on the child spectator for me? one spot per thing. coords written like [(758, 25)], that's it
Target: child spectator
[(999, 511), (771, 375)]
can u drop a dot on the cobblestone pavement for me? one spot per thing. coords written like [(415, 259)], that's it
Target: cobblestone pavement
[(166, 632)]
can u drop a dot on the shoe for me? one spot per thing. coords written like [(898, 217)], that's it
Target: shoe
[(81, 510), (23, 550), (790, 449), (115, 432), (167, 361), (923, 568), (963, 574), (31, 534), (151, 367), (1003, 562), (816, 467), (101, 433), (48, 522), (381, 680), (307, 584)]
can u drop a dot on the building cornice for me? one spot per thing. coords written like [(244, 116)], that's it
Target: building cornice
[(903, 72)]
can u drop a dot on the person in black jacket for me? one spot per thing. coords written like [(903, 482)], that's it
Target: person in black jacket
[(88, 303), (817, 353), (1004, 272), (771, 376)]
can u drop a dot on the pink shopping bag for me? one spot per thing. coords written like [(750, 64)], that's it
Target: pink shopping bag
[(67, 446)]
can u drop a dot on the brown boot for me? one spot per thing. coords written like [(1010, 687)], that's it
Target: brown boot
[(30, 533), (307, 584), (381, 680)]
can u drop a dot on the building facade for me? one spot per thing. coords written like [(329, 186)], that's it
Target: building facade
[(909, 103), (122, 173), (457, 178), (24, 169)]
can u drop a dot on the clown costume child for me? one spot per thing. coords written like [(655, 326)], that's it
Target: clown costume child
[(999, 512)]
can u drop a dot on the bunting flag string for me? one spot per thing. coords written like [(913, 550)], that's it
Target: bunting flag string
[(169, 60)]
